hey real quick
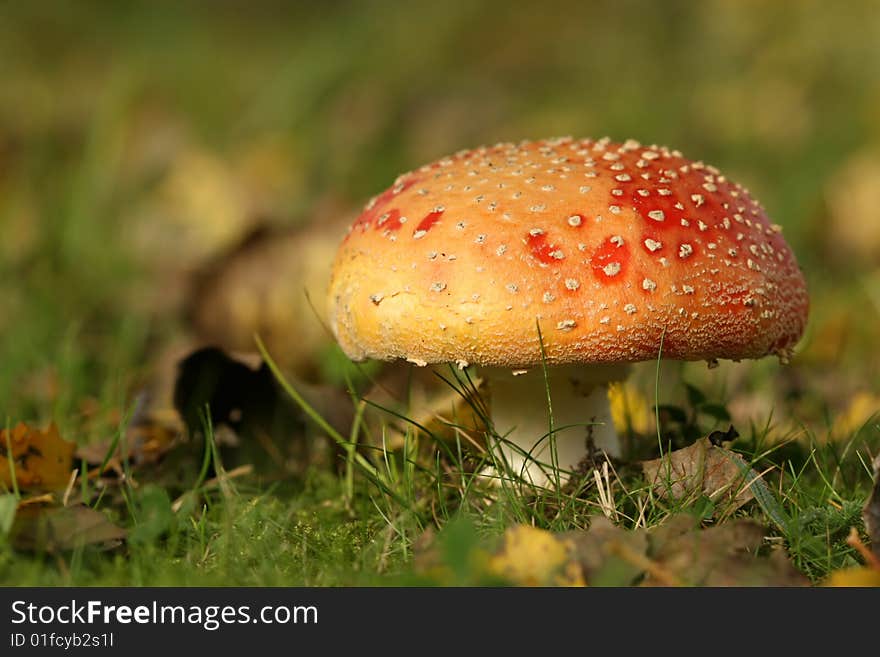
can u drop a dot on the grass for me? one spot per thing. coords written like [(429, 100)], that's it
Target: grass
[(299, 108)]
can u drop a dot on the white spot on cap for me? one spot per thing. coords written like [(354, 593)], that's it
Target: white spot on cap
[(585, 188), (502, 248), (557, 254), (548, 297), (663, 191), (623, 177), (512, 288), (611, 269), (377, 298), (479, 239), (688, 289), (419, 234), (657, 215), (616, 240), (653, 245), (540, 207), (572, 283), (614, 209), (574, 220), (629, 309), (534, 232), (438, 286), (685, 250), (698, 199), (649, 285), (566, 324)]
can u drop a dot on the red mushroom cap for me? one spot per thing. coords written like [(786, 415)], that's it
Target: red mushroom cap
[(608, 247)]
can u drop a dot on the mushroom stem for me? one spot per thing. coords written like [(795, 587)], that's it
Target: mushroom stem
[(522, 419)]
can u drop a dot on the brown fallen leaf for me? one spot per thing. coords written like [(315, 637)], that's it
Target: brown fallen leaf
[(55, 529), (679, 552), (603, 553), (702, 469), (42, 460), (151, 433), (731, 554)]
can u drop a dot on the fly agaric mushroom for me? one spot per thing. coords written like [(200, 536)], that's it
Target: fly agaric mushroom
[(612, 250)]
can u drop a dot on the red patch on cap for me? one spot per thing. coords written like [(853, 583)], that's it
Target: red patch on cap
[(390, 220), (609, 261), (378, 207), (429, 221), (542, 249)]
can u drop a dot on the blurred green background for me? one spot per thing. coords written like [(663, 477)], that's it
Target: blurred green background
[(140, 139)]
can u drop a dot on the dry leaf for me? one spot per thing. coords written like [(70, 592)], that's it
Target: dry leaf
[(53, 529), (862, 407), (732, 554), (536, 557), (859, 576), (702, 469), (42, 459), (604, 552), (677, 553), (630, 411)]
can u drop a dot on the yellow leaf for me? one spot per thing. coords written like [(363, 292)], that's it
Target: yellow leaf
[(42, 460), (630, 410), (859, 576), (535, 557)]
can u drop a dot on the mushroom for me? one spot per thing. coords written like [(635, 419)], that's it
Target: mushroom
[(554, 265)]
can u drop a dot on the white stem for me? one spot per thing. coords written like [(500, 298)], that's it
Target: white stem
[(580, 409)]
